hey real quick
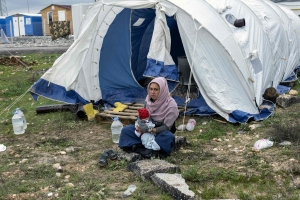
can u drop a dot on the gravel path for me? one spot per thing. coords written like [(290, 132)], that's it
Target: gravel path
[(35, 44)]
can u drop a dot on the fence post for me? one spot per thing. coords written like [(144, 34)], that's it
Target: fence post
[(44, 27), (11, 33)]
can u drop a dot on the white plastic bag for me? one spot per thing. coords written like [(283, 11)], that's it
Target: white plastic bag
[(190, 125), (2, 147), (181, 127), (262, 144)]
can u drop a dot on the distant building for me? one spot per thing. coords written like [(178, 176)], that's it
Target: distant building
[(55, 12), (2, 23), (23, 24)]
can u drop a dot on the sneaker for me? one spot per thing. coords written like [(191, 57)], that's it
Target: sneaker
[(103, 160), (111, 154)]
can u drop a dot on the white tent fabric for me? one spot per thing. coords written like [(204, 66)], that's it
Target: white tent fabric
[(207, 66), (295, 20), (3, 37), (232, 66), (293, 60), (253, 40), (227, 99), (70, 70), (275, 31)]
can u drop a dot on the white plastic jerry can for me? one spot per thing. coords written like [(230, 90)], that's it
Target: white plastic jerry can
[(23, 117), (18, 124)]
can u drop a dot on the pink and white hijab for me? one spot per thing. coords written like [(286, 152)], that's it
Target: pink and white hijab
[(164, 108)]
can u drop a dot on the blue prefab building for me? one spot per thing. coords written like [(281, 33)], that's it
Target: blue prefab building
[(24, 24), (2, 23), (33, 24), (8, 20)]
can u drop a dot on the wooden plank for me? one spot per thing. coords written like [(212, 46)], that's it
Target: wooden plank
[(108, 120), (134, 107), (120, 116), (121, 113), (130, 107), (138, 105), (180, 110), (135, 104), (131, 111), (126, 110)]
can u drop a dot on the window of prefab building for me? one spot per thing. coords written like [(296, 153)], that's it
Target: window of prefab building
[(61, 15), (49, 16)]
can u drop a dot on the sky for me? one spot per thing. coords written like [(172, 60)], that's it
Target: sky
[(35, 6)]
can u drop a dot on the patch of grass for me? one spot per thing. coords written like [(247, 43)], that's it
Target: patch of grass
[(286, 151), (212, 192), (148, 189), (252, 160), (5, 160), (244, 127), (297, 85), (165, 197), (194, 174), (243, 195), (213, 129), (14, 186), (191, 157), (191, 174), (29, 180), (286, 130), (39, 172), (60, 142), (117, 164), (69, 193)]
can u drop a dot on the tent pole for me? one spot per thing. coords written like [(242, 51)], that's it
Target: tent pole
[(11, 33), (44, 27)]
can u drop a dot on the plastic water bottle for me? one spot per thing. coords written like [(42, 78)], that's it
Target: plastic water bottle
[(130, 190), (23, 117), (18, 124), (190, 125), (116, 128)]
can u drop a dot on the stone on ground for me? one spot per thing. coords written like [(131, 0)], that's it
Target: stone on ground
[(179, 142), (293, 92), (287, 100), (130, 157)]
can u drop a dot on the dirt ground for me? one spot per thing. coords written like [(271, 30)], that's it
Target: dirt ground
[(14, 61), (233, 150)]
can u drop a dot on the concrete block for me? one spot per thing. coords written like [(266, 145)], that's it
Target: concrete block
[(174, 184), (146, 168)]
